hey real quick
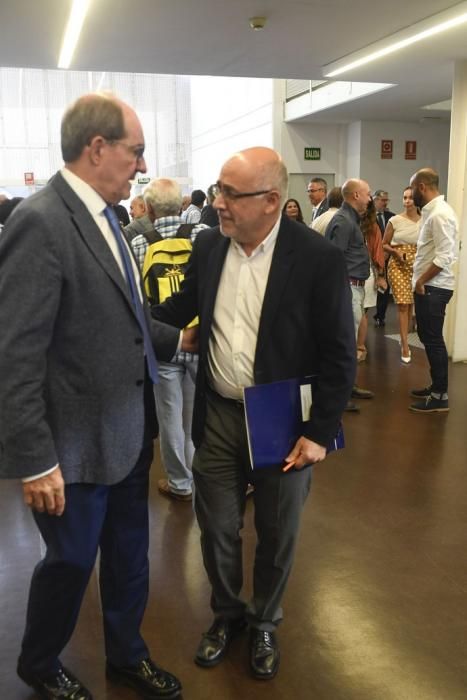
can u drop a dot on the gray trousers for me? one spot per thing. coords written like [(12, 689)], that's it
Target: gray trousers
[(221, 472)]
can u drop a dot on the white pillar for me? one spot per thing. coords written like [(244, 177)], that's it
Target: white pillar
[(456, 325)]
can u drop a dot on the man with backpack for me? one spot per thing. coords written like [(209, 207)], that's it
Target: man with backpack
[(162, 255)]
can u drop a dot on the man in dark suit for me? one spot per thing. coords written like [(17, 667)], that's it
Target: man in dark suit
[(76, 411), (274, 303), (381, 200), (317, 194)]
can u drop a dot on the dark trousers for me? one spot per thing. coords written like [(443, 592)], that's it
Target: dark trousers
[(221, 471), (430, 309), (382, 300), (115, 520)]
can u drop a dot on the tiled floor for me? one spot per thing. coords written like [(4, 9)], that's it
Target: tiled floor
[(376, 606)]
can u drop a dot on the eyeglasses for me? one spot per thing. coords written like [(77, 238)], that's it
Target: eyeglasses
[(229, 193), (318, 189), (136, 151)]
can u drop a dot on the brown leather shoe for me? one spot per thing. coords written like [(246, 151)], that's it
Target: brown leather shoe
[(216, 641), (61, 685), (164, 489)]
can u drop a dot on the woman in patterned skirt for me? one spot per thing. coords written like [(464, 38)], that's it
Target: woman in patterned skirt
[(400, 242)]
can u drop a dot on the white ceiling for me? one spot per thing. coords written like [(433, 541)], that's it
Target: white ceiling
[(213, 37)]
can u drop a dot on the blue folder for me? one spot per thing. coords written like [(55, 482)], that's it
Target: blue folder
[(275, 414)]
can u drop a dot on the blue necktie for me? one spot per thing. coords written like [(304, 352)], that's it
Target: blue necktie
[(381, 222), (130, 277)]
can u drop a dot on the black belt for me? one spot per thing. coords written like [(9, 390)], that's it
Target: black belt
[(232, 402), (356, 282)]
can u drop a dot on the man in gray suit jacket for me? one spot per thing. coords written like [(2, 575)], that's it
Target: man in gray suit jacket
[(76, 409)]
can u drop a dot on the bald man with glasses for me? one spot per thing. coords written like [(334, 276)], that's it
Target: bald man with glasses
[(274, 303)]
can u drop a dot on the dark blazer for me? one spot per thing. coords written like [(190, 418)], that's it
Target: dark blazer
[(209, 216), (387, 215), (71, 355), (306, 323), (324, 206)]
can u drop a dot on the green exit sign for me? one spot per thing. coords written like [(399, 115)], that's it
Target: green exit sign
[(312, 153), (144, 180)]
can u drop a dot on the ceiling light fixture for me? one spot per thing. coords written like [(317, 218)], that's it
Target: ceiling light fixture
[(257, 23), (443, 26), (72, 32)]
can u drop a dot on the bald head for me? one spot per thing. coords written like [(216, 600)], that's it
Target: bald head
[(428, 176), (252, 186), (137, 207), (265, 166), (425, 186), (356, 193)]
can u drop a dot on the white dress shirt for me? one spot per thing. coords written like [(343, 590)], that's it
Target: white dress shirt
[(237, 312), (437, 243)]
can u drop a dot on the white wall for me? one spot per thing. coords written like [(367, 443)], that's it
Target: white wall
[(394, 174), (354, 150), (228, 114), (331, 138)]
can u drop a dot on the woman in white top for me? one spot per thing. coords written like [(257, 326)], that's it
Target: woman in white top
[(400, 243)]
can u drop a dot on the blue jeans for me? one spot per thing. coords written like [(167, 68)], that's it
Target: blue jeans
[(174, 396), (430, 309)]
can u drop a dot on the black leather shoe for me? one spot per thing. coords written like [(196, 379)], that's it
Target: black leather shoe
[(358, 393), (146, 678), (215, 642), (264, 654), (351, 407), (62, 685)]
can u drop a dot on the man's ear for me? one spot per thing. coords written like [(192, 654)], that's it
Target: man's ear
[(95, 149), (273, 200), (150, 212)]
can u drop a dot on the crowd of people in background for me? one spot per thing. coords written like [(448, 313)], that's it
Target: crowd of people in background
[(381, 249), (382, 242)]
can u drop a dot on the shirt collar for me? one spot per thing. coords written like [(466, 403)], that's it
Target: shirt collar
[(88, 195), (348, 207), (431, 205), (266, 243), (168, 221)]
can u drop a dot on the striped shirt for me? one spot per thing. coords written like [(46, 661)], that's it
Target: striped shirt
[(167, 227)]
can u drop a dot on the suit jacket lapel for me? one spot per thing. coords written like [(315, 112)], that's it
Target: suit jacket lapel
[(90, 233), (279, 274)]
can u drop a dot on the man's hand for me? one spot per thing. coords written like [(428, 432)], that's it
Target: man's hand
[(419, 287), (46, 493), (381, 283), (305, 452), (190, 339)]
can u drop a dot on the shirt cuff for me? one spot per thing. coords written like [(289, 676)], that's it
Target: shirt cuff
[(38, 476)]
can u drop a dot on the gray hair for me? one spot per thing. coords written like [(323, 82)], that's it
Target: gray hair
[(164, 196), (274, 176), (97, 114)]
